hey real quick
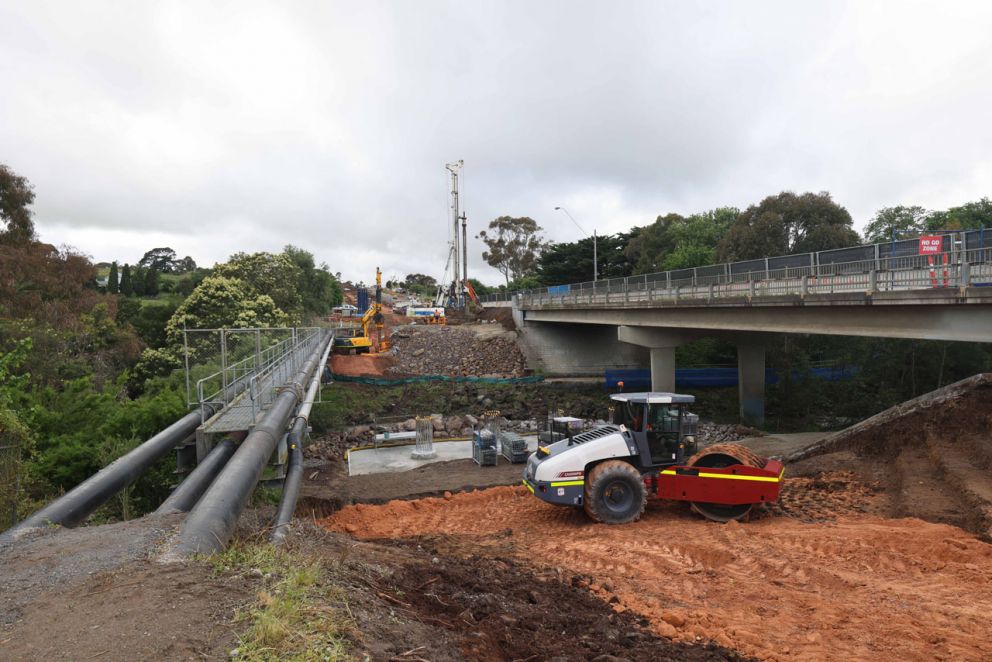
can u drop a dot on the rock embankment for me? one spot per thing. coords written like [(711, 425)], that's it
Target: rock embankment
[(457, 352)]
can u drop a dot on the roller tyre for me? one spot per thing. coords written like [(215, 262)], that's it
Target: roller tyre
[(614, 493), (718, 456)]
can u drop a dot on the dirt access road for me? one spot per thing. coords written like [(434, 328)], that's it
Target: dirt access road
[(777, 587)]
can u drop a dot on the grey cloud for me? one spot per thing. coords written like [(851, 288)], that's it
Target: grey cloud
[(246, 126)]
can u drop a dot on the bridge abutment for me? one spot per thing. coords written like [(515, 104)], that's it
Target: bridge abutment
[(577, 349)]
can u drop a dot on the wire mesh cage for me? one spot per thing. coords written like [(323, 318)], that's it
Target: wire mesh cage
[(424, 448), (484, 444)]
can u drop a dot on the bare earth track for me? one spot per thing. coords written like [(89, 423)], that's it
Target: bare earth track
[(857, 587)]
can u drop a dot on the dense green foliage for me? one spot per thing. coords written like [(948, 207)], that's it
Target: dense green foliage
[(787, 223), (73, 393), (572, 262), (113, 280), (319, 291), (900, 221), (677, 242)]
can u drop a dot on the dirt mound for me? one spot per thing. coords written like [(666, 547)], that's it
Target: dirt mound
[(935, 452), (858, 587), (361, 365), (433, 350)]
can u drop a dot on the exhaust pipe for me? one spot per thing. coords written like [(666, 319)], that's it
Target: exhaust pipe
[(79, 503), (210, 524), (188, 492)]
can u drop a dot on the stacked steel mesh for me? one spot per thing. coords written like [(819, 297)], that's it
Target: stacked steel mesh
[(513, 447)]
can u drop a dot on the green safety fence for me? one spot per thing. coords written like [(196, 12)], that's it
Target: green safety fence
[(384, 381)]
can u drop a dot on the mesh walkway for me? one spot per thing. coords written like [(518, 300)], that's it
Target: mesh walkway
[(242, 391)]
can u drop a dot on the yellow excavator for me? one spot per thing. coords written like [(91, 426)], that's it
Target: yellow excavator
[(360, 340)]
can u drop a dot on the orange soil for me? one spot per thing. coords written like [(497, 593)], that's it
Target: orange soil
[(858, 587), (361, 364)]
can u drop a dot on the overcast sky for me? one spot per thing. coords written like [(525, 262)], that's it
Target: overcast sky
[(226, 126)]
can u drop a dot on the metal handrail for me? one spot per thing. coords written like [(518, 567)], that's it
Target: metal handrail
[(245, 374), (952, 268)]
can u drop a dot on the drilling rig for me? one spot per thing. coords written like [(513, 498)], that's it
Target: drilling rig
[(453, 293)]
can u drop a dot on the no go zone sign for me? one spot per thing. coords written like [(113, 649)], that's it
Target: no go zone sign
[(931, 244)]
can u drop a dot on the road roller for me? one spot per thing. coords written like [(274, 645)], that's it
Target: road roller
[(649, 448)]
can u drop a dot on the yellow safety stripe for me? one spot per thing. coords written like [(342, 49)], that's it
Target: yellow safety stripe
[(567, 483), (528, 486), (763, 479)]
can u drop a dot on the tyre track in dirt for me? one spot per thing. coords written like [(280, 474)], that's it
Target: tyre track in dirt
[(777, 587)]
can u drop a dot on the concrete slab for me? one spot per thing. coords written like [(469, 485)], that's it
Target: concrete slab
[(398, 458)]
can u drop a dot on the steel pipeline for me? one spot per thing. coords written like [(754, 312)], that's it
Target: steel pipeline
[(210, 524), (76, 505), (188, 492), (294, 468), (291, 485)]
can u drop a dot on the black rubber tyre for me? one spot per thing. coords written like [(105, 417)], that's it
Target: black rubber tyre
[(614, 493)]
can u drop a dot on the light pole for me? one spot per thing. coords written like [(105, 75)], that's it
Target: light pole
[(595, 265)]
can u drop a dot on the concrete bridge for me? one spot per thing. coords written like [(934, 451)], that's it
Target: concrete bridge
[(891, 290)]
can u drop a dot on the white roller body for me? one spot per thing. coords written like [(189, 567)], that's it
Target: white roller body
[(565, 459)]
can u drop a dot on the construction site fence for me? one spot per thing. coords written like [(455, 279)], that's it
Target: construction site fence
[(420, 379), (964, 260)]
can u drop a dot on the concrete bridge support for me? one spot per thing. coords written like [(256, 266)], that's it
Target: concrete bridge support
[(662, 344), (751, 381), (577, 349), (750, 363)]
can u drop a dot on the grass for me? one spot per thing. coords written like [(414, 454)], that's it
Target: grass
[(300, 614)]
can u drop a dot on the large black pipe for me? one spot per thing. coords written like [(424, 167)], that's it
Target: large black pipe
[(188, 492), (210, 525), (79, 503), (291, 484)]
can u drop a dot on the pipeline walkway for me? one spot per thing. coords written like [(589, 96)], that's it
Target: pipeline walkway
[(278, 395)]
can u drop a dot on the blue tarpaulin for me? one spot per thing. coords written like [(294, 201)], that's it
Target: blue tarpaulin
[(640, 380)]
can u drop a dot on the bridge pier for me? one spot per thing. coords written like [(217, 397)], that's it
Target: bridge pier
[(751, 381), (662, 344), (663, 369), (750, 363)]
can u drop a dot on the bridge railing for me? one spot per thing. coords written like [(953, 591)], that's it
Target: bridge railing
[(965, 257)]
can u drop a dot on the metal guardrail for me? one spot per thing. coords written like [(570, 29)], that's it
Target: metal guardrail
[(966, 260), (241, 390)]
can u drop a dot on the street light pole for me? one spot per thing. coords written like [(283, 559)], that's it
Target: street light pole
[(595, 260)]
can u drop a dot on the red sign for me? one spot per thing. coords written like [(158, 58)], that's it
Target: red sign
[(931, 244)]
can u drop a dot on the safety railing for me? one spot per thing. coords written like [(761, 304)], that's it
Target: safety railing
[(966, 261), (250, 383)]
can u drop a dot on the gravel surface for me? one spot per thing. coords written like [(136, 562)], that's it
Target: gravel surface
[(59, 558)]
